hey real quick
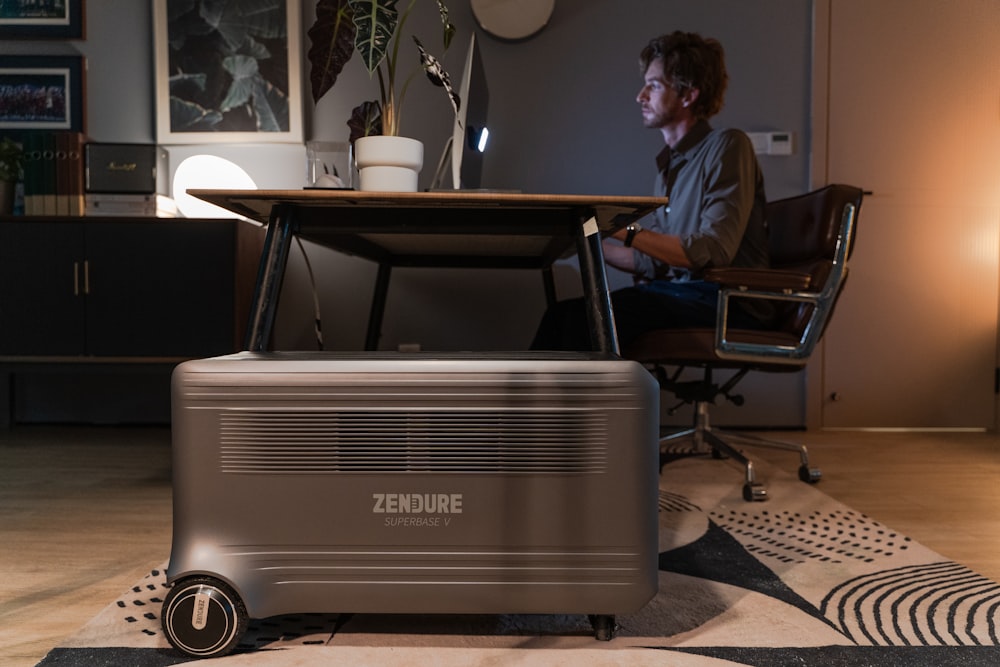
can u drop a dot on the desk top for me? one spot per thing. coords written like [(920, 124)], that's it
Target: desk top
[(441, 228), (257, 204)]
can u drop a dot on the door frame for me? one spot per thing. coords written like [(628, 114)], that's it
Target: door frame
[(818, 176)]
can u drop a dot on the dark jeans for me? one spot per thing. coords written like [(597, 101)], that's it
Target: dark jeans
[(660, 304)]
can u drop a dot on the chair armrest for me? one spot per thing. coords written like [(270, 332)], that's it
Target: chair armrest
[(771, 280)]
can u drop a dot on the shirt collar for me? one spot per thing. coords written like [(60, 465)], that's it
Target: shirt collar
[(698, 131)]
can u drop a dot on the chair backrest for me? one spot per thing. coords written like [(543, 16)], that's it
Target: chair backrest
[(804, 230), (814, 234)]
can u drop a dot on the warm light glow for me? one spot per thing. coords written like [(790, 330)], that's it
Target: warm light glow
[(207, 172)]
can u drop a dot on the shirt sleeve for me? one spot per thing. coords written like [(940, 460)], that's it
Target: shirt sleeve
[(728, 178), (644, 265)]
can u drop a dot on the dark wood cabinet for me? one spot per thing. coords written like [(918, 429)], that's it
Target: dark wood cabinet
[(87, 296), (41, 308)]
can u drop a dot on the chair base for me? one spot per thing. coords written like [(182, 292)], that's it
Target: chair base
[(705, 439)]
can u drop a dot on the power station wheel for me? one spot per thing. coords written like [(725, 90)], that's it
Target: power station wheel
[(203, 617), (604, 626)]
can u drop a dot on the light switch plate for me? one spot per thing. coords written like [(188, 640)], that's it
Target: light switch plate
[(772, 143), (780, 143)]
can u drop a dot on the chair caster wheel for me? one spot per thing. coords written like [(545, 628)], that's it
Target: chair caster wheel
[(809, 475), (754, 492), (604, 627)]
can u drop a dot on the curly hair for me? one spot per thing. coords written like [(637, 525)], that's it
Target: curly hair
[(691, 61)]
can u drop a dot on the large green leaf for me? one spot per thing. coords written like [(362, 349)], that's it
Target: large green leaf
[(376, 22), (237, 21), (190, 117), (365, 120), (244, 73), (369, 27), (332, 44), (437, 75), (270, 107), (449, 29)]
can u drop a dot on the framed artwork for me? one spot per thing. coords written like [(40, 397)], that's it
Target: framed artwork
[(41, 19), (41, 93), (228, 72)]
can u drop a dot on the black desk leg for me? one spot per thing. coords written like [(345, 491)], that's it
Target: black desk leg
[(549, 284), (273, 259), (603, 336), (378, 307)]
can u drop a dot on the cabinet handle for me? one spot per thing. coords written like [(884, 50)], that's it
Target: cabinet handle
[(86, 277)]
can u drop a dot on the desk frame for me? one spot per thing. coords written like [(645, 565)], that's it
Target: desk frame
[(443, 229)]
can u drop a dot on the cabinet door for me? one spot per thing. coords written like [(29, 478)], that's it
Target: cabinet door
[(42, 285), (160, 288)]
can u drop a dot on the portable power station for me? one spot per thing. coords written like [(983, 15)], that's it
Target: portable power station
[(409, 483)]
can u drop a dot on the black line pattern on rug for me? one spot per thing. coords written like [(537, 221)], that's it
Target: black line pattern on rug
[(936, 604), (718, 556), (290, 630), (793, 537), (849, 656), (675, 502), (142, 603)]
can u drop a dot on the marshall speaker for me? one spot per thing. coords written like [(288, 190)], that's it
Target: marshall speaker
[(120, 168), (409, 483)]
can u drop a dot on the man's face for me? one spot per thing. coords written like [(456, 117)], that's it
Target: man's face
[(660, 103)]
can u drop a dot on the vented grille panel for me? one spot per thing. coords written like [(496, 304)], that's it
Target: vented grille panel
[(304, 442)]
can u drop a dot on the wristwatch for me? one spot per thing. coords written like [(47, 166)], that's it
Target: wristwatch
[(632, 229)]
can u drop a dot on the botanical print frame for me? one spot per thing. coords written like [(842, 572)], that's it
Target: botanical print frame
[(228, 72), (41, 93), (45, 19)]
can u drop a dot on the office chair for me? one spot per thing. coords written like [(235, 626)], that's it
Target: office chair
[(811, 237)]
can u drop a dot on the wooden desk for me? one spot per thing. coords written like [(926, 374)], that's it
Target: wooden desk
[(454, 228)]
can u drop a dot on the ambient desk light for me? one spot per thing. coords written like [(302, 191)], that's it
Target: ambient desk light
[(207, 172)]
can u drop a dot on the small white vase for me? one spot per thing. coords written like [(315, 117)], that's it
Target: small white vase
[(388, 164)]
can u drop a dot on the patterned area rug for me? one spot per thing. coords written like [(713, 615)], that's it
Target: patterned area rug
[(798, 580)]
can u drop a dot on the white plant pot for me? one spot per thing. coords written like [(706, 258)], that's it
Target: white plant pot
[(388, 164)]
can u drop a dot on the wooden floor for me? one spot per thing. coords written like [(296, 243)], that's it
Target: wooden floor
[(85, 512)]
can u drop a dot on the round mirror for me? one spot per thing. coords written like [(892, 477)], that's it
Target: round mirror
[(512, 19)]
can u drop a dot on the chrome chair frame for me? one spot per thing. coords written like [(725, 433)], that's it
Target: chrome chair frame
[(788, 351)]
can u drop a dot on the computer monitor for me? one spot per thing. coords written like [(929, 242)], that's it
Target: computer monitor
[(465, 148), (470, 133)]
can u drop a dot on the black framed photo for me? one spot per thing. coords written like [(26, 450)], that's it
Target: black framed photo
[(41, 19), (41, 93), (224, 78)]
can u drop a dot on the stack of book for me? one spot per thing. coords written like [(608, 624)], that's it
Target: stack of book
[(130, 204), (54, 173), (66, 175)]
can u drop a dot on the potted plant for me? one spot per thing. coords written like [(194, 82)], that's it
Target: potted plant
[(374, 29), (11, 163)]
